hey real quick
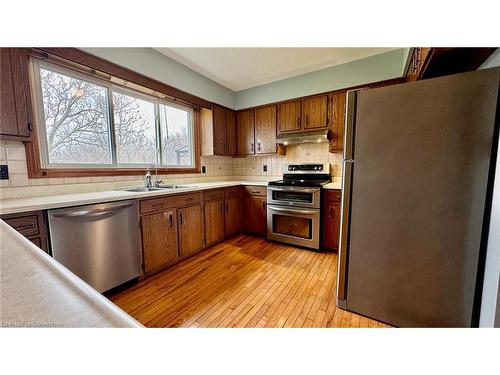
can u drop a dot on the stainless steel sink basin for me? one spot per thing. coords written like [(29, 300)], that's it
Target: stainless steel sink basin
[(174, 186), (141, 189)]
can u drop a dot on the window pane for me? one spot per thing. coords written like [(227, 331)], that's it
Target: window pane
[(176, 136), (76, 120), (135, 132)]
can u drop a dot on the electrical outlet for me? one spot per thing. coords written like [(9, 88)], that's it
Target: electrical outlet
[(203, 169), (264, 167), (4, 172)]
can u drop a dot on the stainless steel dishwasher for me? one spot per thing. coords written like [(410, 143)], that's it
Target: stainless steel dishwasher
[(99, 242)]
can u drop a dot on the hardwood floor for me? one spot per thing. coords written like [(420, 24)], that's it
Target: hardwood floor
[(244, 281)]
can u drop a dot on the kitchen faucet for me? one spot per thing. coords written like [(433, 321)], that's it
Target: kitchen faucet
[(147, 180)]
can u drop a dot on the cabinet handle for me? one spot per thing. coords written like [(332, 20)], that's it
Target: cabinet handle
[(258, 146), (221, 209), (264, 206), (298, 122), (170, 220), (227, 207), (180, 218), (307, 119), (252, 147)]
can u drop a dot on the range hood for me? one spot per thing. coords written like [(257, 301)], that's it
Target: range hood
[(310, 136)]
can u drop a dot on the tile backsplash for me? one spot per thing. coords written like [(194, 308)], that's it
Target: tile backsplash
[(13, 154)]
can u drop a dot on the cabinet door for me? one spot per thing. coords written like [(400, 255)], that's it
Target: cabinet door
[(232, 216), (14, 94), (315, 112), (219, 130), (255, 215), (265, 130), (288, 117), (245, 125), (231, 132), (214, 221), (8, 118), (190, 226), (331, 221), (338, 121), (159, 240)]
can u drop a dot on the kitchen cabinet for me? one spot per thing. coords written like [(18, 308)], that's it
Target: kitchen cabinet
[(231, 211), (254, 210), (190, 230), (218, 131), (338, 121), (15, 105), (31, 225), (245, 124), (159, 240), (265, 130), (256, 130), (331, 219), (213, 209), (315, 112), (289, 116)]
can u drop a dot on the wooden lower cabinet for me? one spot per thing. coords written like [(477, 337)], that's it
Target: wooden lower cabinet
[(331, 219), (190, 226), (159, 240), (255, 215), (232, 216), (31, 225), (214, 221)]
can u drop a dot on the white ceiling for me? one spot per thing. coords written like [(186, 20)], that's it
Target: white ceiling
[(243, 68)]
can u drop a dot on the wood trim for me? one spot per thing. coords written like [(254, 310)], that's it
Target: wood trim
[(91, 61)]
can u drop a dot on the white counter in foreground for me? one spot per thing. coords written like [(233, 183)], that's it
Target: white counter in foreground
[(36, 291)]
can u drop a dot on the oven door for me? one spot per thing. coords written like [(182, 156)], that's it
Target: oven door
[(294, 196), (297, 226)]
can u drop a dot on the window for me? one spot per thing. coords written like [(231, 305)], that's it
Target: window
[(86, 122)]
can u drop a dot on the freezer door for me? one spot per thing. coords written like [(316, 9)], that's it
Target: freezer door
[(419, 196)]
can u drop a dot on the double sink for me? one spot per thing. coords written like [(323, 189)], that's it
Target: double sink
[(142, 189)]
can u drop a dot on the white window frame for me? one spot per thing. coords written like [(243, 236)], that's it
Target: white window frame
[(37, 96)]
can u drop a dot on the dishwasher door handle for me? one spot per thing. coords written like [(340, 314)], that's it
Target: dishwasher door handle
[(93, 212)]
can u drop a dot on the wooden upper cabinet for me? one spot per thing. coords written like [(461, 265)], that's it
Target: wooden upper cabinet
[(315, 112), (159, 240), (338, 121), (14, 94), (288, 118), (265, 130), (245, 125), (231, 133), (219, 130), (190, 230)]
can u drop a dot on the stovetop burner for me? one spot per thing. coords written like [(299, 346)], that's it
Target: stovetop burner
[(304, 175)]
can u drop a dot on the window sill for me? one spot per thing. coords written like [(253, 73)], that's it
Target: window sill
[(95, 172)]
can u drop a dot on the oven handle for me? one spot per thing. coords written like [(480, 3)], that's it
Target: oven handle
[(293, 211), (290, 188)]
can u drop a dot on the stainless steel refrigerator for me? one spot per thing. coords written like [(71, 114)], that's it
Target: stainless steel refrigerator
[(417, 184)]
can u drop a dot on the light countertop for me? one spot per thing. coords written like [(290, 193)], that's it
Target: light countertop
[(334, 185), (37, 291), (15, 205)]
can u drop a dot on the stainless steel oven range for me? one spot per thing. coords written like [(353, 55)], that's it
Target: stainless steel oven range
[(294, 204)]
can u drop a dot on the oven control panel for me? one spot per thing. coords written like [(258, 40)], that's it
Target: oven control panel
[(307, 168)]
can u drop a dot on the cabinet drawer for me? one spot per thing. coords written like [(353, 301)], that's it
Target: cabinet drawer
[(159, 204), (333, 195), (212, 194), (231, 192), (256, 190), (26, 225)]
